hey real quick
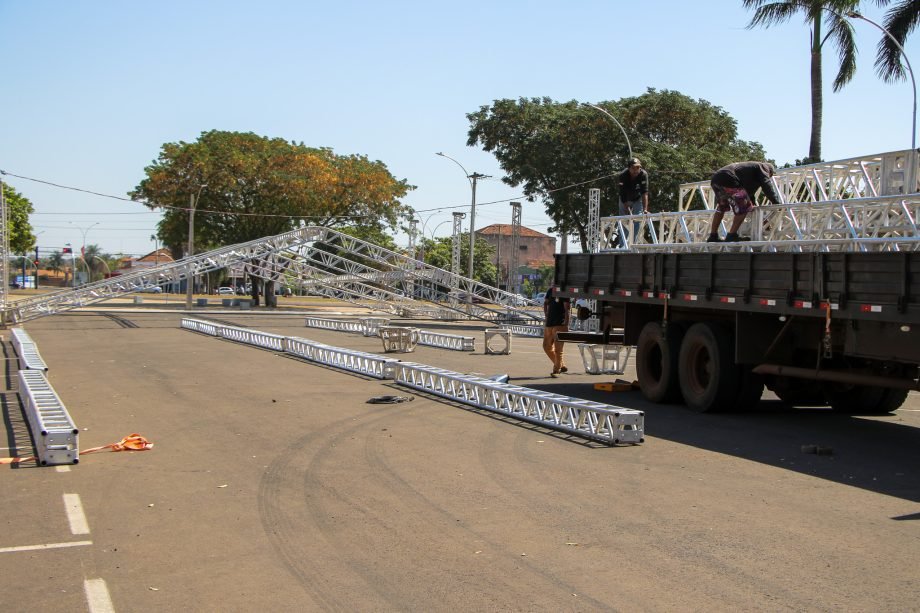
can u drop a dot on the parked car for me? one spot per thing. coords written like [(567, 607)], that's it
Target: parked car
[(540, 297), (225, 291), (152, 289)]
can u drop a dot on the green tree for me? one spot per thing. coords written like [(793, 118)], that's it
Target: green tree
[(258, 186), (55, 262), (900, 20), (556, 151), (18, 209), (819, 15), (438, 253)]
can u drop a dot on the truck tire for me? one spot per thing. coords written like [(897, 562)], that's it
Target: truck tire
[(709, 378), (656, 362), (865, 400)]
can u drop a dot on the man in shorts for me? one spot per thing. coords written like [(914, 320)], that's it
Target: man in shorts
[(734, 187)]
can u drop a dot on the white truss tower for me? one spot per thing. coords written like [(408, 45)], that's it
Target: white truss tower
[(455, 243), (4, 252), (594, 215), (513, 277)]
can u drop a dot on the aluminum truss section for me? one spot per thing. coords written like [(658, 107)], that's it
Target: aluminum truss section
[(55, 436), (583, 418), (514, 279), (534, 331), (304, 256), (440, 340), (339, 325), (869, 224), (885, 174), (586, 419), (359, 362), (27, 350)]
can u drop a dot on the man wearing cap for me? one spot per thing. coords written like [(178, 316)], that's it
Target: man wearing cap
[(633, 183)]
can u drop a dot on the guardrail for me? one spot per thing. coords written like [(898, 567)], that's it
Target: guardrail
[(27, 350), (583, 418), (53, 431)]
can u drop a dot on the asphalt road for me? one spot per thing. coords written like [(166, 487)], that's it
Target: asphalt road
[(273, 485)]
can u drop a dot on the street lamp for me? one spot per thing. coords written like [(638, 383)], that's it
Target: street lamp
[(108, 271), (913, 129), (472, 178), (626, 136), (193, 202)]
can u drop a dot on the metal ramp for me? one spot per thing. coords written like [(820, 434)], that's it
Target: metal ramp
[(320, 260)]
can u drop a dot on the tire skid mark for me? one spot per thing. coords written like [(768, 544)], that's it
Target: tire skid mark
[(289, 518), (449, 523)]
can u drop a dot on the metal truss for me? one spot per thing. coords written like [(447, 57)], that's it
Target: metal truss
[(864, 224), (519, 330), (440, 340), (27, 350), (369, 364), (583, 418), (318, 259), (55, 436), (594, 215), (895, 173)]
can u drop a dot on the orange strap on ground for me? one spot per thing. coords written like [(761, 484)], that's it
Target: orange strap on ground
[(132, 442)]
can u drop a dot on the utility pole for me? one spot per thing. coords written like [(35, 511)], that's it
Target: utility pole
[(189, 278)]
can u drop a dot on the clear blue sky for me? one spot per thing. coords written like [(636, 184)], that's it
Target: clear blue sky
[(92, 89)]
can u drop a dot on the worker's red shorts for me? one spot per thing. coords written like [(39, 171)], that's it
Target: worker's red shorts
[(735, 199)]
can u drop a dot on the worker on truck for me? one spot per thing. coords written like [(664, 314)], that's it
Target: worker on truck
[(734, 186)]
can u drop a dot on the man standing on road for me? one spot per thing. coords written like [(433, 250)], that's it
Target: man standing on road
[(633, 188), (556, 311), (734, 186)]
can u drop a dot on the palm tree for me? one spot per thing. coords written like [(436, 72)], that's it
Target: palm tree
[(56, 262), (900, 20), (89, 256), (818, 14)]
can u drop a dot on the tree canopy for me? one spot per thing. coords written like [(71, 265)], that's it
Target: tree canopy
[(253, 186), (18, 208), (556, 151)]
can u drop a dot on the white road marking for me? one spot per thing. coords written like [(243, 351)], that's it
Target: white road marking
[(75, 514), (45, 546), (97, 596)]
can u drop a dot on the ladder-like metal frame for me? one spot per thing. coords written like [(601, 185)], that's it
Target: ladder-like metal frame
[(884, 223), (884, 174)]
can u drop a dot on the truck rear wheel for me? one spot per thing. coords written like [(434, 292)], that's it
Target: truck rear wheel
[(656, 361), (709, 378), (866, 400)]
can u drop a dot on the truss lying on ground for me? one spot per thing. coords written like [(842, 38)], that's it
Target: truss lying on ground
[(886, 223), (583, 418), (319, 260)]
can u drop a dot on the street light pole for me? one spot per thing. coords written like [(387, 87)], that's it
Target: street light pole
[(193, 202), (473, 178), (82, 251), (619, 125)]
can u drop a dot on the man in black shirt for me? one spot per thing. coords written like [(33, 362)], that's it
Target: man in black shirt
[(556, 311), (735, 186), (633, 189)]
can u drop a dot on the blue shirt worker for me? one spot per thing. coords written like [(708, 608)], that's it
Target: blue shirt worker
[(556, 311)]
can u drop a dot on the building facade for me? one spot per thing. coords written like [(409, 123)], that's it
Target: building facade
[(534, 250)]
